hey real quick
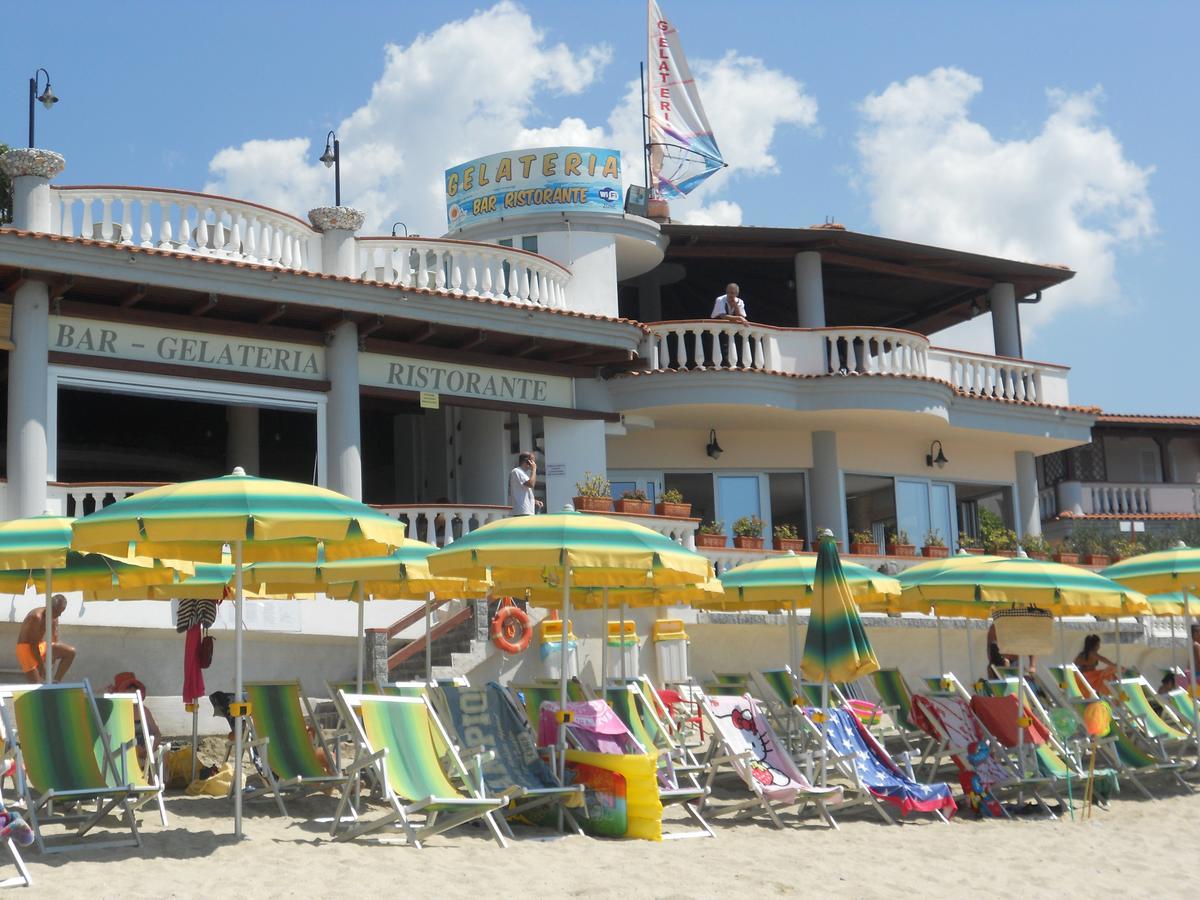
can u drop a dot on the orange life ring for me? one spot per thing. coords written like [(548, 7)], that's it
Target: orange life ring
[(511, 630)]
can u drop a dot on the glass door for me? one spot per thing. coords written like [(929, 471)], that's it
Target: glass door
[(942, 517), (623, 480), (738, 496), (922, 507)]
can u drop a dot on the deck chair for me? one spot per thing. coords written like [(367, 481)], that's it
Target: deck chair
[(279, 723), (124, 718), (744, 741), (983, 770), (859, 758), (1181, 704), (64, 759), (395, 737), (896, 698), (728, 684), (640, 716), (486, 719), (1132, 695), (534, 694)]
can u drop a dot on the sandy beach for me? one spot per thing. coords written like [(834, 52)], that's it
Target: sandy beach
[(1117, 852)]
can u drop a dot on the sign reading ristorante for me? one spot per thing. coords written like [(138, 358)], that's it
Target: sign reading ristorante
[(147, 343), (455, 379)]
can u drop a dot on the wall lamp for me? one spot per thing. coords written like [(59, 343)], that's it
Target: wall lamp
[(46, 98), (936, 459), (399, 225), (713, 449), (332, 157)]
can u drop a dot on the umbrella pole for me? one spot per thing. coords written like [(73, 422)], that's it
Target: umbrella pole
[(49, 626), (604, 644), (428, 640), (825, 730), (1020, 712), (195, 734), (237, 669), (624, 675), (941, 656), (794, 664), (1191, 659), (1171, 623), (362, 650), (970, 654), (561, 741), (1062, 640), (1117, 642)]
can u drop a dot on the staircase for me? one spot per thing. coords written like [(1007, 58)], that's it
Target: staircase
[(459, 643)]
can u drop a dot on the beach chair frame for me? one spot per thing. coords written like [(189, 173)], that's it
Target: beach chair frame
[(152, 769), (915, 742), (471, 807)]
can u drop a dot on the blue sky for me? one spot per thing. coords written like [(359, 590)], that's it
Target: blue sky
[(152, 94)]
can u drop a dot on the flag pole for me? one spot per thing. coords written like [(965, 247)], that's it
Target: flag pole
[(645, 135)]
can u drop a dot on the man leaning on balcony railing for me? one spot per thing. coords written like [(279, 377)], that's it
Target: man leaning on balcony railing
[(729, 306)]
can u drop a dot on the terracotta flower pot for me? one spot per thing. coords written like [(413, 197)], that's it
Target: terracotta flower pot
[(1070, 559), (633, 507), (1095, 559), (674, 510), (860, 549), (1010, 554), (745, 542), (1041, 556), (901, 549), (593, 504), (974, 551), (796, 545), (935, 552), (712, 541)]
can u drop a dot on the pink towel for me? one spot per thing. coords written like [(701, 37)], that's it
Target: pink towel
[(193, 675)]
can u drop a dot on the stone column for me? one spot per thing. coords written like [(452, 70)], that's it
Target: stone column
[(241, 438), (1029, 511), (810, 294), (339, 256), (1006, 327), (28, 407), (31, 170), (826, 487)]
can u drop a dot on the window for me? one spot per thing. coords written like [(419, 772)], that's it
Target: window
[(788, 500), (870, 506)]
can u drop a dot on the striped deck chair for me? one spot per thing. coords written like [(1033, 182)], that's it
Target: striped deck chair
[(744, 740), (728, 684), (64, 759), (1182, 705), (1131, 693), (280, 722), (124, 719), (395, 736), (638, 714), (896, 698), (533, 695)]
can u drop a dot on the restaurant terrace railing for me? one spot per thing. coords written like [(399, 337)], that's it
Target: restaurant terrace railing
[(720, 345), (1119, 499)]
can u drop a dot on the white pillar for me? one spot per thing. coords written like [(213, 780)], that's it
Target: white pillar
[(810, 292), (1006, 329), (343, 438), (28, 384), (1029, 512), (241, 438), (339, 251), (573, 447), (826, 487), (1070, 497), (31, 170)]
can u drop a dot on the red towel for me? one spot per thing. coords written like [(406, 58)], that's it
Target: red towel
[(193, 675)]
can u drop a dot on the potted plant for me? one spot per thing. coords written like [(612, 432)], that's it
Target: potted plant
[(862, 543), (1035, 546), (1089, 543), (633, 502), (969, 543), (999, 541), (1064, 554), (1123, 548), (788, 538), (710, 534), (934, 547), (898, 544), (747, 533), (672, 505), (593, 494)]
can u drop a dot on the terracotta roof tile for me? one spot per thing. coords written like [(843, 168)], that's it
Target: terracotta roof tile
[(1137, 419), (1127, 516)]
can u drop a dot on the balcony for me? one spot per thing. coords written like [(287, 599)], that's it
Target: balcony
[(715, 345), (1106, 498)]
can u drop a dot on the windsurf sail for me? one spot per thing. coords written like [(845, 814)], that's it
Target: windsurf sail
[(683, 152)]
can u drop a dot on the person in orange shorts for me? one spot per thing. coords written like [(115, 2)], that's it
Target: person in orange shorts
[(31, 644)]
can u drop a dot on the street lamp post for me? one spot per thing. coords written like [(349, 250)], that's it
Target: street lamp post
[(47, 98), (332, 157)]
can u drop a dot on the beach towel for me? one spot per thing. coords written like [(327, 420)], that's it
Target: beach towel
[(879, 774), (951, 721), (193, 673), (999, 716), (594, 727)]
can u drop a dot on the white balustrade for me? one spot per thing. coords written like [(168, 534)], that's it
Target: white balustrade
[(711, 344), (1001, 377), (681, 531), (1048, 502), (467, 268), (186, 222), (441, 524), (874, 351), (1120, 499), (80, 498)]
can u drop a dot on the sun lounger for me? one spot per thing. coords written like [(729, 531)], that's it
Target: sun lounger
[(395, 737), (744, 741), (64, 759), (1181, 704), (1132, 695), (483, 719), (282, 724), (896, 698), (124, 718), (534, 694), (728, 684)]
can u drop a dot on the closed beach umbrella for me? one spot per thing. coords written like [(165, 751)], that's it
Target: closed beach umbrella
[(258, 519), (567, 551)]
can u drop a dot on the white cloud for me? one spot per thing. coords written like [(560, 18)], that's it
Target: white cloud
[(1067, 195), (439, 101)]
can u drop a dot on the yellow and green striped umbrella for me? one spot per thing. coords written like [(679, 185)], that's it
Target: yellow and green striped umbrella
[(1171, 604), (786, 582), (209, 581), (836, 647), (698, 595), (93, 571), (36, 542), (532, 551)]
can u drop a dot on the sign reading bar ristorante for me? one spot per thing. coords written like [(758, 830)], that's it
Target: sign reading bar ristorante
[(403, 373), (145, 343)]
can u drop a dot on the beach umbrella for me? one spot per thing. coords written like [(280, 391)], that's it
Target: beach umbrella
[(566, 551), (37, 551), (1167, 571), (1171, 607), (259, 520), (836, 647)]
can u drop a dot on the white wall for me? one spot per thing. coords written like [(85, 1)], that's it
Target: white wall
[(592, 259), (573, 447), (1133, 459), (486, 460)]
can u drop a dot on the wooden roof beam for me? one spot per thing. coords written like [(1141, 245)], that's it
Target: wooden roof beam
[(919, 273), (134, 297), (471, 343), (273, 314), (203, 306)]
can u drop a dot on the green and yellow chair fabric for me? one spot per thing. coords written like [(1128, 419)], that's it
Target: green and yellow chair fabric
[(124, 720)]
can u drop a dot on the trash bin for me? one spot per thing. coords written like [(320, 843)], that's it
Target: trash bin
[(623, 643), (550, 641), (670, 650)]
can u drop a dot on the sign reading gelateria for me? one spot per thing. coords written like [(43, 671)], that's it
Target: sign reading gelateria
[(403, 373), (548, 179), (146, 343)]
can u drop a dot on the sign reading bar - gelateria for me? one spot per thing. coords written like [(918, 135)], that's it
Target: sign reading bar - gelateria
[(455, 379), (145, 343)]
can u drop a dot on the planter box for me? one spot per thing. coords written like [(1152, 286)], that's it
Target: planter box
[(674, 510), (796, 545), (1070, 559), (1010, 554), (593, 504), (1095, 559), (747, 543), (858, 549), (712, 541), (902, 549), (935, 552), (974, 551), (633, 507), (1042, 556)]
